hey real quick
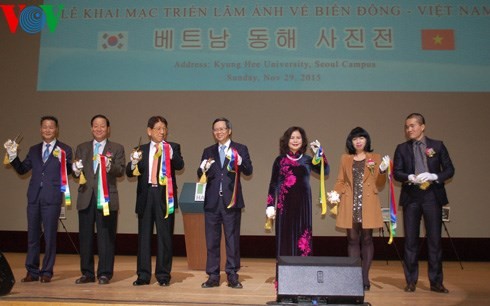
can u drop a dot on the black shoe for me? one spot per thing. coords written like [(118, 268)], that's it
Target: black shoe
[(140, 282), (85, 279), (410, 287), (164, 283), (103, 280), (367, 287), (29, 278), (45, 279), (234, 283), (439, 288), (210, 283)]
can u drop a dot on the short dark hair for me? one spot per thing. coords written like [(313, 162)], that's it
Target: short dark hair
[(155, 119), (284, 141), (227, 122), (52, 118), (100, 116), (417, 116), (358, 132)]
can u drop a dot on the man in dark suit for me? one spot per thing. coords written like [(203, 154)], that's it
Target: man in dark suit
[(88, 162), (44, 195), (152, 206), (422, 165), (223, 164)]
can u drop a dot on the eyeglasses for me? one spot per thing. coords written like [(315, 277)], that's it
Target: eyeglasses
[(220, 130), (160, 129)]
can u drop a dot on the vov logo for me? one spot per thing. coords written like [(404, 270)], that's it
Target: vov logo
[(32, 19)]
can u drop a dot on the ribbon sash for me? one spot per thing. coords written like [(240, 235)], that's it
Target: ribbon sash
[(392, 202), (103, 188), (268, 224), (233, 167), (203, 179), (65, 188), (318, 158), (165, 177)]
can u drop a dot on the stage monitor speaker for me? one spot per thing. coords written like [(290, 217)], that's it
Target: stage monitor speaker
[(7, 279), (331, 280)]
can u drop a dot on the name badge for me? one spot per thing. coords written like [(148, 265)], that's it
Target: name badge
[(200, 192)]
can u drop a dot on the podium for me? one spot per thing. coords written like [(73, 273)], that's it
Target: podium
[(195, 238)]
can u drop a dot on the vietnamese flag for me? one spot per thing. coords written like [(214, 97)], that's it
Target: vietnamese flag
[(442, 39)]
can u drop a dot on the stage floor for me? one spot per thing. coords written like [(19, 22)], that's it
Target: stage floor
[(468, 286)]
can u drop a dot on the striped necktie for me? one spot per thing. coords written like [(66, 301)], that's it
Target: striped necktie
[(46, 153), (96, 152)]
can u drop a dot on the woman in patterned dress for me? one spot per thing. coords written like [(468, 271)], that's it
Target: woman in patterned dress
[(289, 198)]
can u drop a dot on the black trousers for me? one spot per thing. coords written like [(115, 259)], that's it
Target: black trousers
[(154, 214), (426, 206)]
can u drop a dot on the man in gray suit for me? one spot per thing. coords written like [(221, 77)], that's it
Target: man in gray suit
[(91, 157)]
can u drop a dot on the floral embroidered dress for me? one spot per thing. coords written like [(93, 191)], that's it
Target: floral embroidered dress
[(290, 192)]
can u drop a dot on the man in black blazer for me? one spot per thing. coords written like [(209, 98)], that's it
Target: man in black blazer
[(151, 201), (44, 195), (422, 165), (88, 163), (223, 163)]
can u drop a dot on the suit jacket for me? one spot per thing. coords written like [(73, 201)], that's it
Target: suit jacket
[(440, 163), (217, 174), (177, 163), (47, 175), (85, 152), (372, 183)]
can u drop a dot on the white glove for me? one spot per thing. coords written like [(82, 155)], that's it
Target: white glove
[(426, 176), (412, 179), (108, 163), (206, 164), (11, 147), (333, 197), (270, 212), (315, 145), (135, 157), (77, 167), (385, 163)]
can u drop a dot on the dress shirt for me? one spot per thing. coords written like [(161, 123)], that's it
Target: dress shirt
[(51, 147), (153, 150)]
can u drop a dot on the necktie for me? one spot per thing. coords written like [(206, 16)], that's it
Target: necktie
[(96, 151), (419, 158), (222, 155), (46, 153), (154, 168)]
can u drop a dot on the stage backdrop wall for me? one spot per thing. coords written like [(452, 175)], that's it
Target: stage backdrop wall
[(259, 119)]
